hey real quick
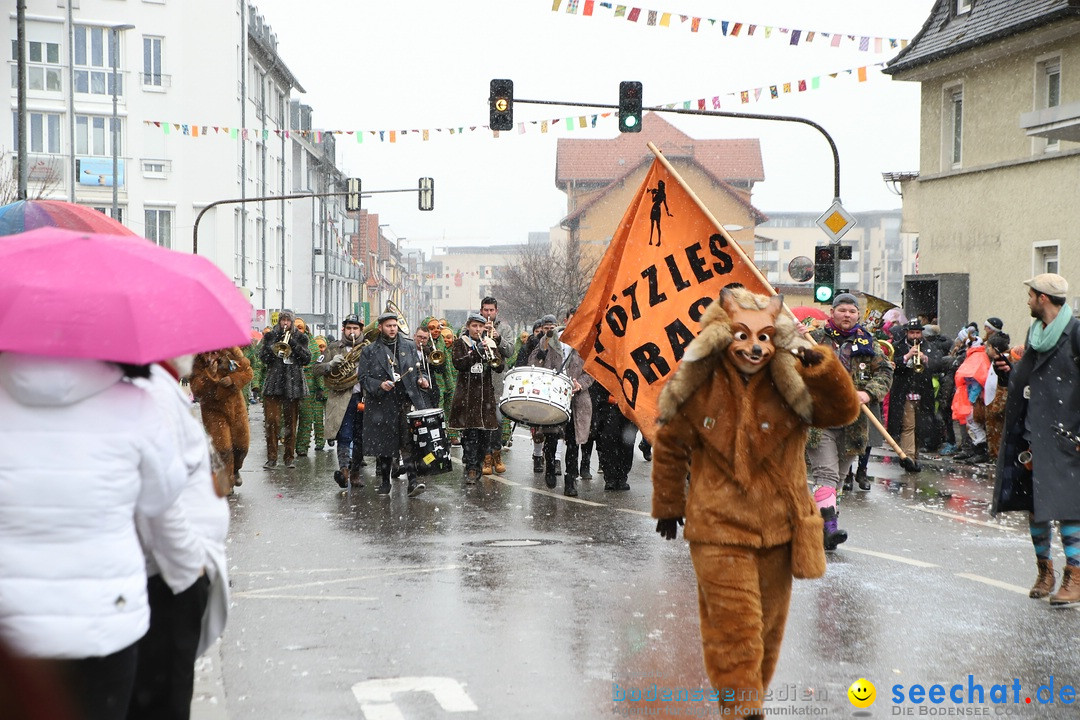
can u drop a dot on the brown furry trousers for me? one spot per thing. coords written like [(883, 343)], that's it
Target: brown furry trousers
[(229, 434), (743, 596)]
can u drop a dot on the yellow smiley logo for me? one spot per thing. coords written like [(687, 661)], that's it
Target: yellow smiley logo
[(862, 693)]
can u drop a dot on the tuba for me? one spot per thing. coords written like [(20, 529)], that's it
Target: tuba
[(345, 376), (281, 348)]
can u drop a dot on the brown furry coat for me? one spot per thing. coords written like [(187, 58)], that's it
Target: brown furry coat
[(744, 436)]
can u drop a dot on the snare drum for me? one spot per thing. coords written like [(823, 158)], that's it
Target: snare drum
[(536, 396), (427, 437)]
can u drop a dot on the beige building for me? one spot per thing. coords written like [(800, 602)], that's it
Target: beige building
[(600, 178), (999, 158)]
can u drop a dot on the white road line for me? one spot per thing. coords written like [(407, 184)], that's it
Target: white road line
[(320, 583), (963, 518), (635, 512), (319, 570), (248, 596), (994, 583), (538, 491), (886, 556)]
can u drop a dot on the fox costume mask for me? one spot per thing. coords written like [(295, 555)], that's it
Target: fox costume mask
[(752, 332)]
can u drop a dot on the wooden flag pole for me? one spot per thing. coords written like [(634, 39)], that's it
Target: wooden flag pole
[(907, 462)]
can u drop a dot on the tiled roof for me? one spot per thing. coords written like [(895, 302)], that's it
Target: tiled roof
[(741, 196), (944, 33), (601, 161)]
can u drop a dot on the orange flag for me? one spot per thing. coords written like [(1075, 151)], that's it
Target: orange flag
[(666, 263)]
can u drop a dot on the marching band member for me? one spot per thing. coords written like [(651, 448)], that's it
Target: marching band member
[(504, 346), (343, 420), (283, 386), (217, 382), (393, 382), (444, 337), (311, 407), (473, 407), (554, 355)]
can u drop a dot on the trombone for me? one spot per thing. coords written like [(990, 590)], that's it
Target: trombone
[(436, 358)]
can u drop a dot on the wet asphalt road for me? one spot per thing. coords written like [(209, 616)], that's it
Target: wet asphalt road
[(506, 600)]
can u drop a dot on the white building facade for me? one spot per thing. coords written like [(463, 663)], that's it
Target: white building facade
[(203, 104)]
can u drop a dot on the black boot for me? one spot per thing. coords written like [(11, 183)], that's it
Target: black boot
[(865, 483), (538, 464), (415, 487), (849, 482), (978, 455), (967, 449), (570, 486), (383, 467), (833, 534)]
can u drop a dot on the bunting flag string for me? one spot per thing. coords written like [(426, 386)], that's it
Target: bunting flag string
[(727, 28), (570, 124)]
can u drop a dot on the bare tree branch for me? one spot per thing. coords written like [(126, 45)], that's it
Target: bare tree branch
[(543, 281)]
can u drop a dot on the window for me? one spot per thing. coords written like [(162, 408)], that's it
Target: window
[(1046, 258), (155, 168), (93, 136), (963, 6), (953, 130), (159, 227), (43, 68), (108, 212), (44, 135), (1048, 91), (93, 61), (151, 74)]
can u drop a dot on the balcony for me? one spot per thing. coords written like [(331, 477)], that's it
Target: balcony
[(1057, 123)]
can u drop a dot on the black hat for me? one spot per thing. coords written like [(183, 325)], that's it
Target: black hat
[(387, 316), (994, 323), (351, 320), (549, 320), (913, 324), (537, 324), (475, 317)]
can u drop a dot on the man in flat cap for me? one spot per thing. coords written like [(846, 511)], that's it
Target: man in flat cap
[(393, 380), (833, 450), (285, 352), (473, 407), (1042, 421), (912, 420)]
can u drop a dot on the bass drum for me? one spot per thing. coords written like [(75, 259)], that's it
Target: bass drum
[(429, 444), (536, 396)]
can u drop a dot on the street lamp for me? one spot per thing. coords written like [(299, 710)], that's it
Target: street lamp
[(114, 52)]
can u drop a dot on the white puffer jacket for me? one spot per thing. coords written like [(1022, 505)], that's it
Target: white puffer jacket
[(82, 450)]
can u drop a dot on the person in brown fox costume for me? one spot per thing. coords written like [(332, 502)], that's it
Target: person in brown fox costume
[(734, 418), (217, 382)]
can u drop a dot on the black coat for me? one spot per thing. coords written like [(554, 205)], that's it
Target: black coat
[(285, 379), (1052, 489), (474, 400), (383, 425), (906, 380)]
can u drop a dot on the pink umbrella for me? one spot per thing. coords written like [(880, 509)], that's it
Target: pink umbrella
[(73, 294)]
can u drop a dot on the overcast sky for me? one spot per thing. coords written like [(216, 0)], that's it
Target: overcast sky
[(416, 64)]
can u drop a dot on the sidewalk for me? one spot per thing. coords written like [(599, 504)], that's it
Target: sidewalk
[(208, 700)]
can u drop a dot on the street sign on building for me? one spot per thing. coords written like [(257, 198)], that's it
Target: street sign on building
[(836, 221)]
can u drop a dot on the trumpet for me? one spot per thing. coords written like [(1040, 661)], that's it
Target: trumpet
[(282, 348), (491, 353), (436, 358), (916, 359)]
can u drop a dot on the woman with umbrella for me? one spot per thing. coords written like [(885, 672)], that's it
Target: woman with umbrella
[(86, 448)]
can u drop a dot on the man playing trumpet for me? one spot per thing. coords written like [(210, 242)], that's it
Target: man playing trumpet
[(393, 382), (284, 354), (473, 407), (504, 347)]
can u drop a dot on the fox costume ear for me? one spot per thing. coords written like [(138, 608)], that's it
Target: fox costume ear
[(776, 304), (727, 301)]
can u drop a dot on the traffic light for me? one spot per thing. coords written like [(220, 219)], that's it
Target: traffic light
[(352, 198), (427, 193), (824, 273), (501, 105), (629, 106)]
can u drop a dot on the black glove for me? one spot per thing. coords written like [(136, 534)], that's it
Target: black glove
[(667, 527), (807, 356)]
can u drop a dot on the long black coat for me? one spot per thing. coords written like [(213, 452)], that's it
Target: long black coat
[(906, 380), (283, 379), (1054, 381), (383, 426), (474, 396)]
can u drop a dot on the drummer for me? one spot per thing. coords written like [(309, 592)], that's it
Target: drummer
[(554, 355), (473, 408), (394, 380)]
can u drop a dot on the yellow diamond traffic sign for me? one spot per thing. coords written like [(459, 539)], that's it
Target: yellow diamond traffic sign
[(836, 221)]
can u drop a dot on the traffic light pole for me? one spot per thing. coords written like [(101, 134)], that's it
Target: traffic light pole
[(719, 113), (294, 196)]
